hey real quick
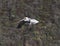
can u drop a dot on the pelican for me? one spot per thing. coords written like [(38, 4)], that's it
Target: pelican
[(27, 20)]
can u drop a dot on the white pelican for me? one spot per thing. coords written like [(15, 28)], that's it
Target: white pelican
[(27, 20)]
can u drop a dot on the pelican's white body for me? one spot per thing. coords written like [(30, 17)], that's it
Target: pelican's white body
[(32, 21)]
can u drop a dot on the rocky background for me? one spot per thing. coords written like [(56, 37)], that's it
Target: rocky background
[(46, 33)]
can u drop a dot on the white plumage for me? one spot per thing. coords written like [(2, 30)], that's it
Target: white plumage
[(28, 21), (33, 21)]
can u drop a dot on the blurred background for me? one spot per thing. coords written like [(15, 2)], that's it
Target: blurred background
[(46, 33)]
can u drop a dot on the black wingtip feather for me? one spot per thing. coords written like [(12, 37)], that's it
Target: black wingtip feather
[(20, 24)]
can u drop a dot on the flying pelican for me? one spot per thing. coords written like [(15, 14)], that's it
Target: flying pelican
[(27, 20)]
